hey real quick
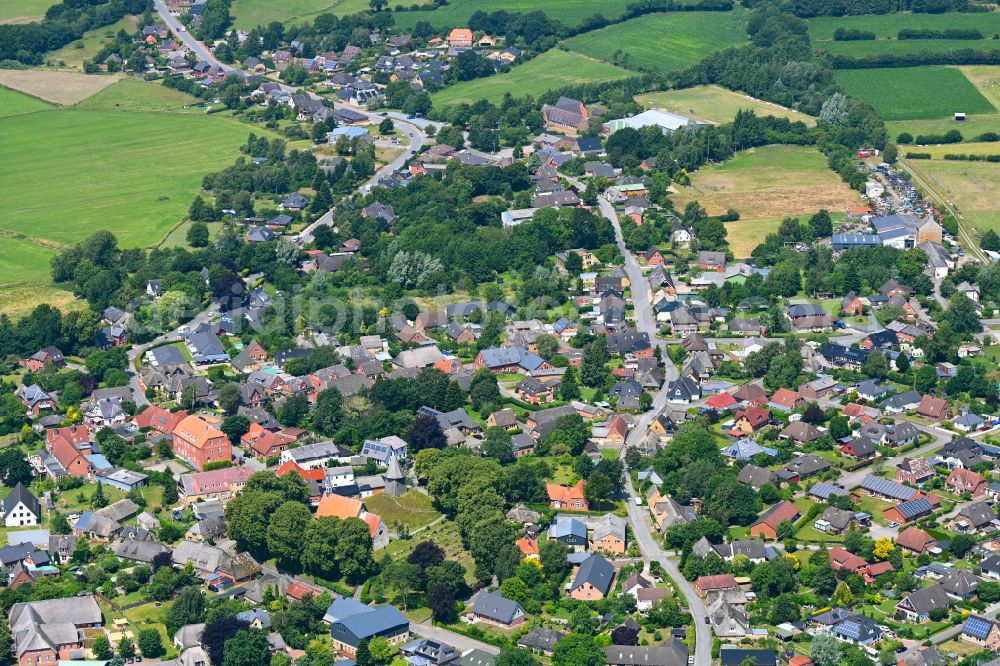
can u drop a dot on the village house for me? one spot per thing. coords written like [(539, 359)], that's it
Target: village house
[(567, 497), (767, 525), (199, 443), (593, 579)]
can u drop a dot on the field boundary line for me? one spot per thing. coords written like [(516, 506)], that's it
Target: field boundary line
[(41, 242), (962, 230)]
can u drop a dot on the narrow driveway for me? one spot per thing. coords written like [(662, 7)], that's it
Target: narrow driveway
[(457, 641)]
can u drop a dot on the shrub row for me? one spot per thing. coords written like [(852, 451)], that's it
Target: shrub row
[(949, 33)]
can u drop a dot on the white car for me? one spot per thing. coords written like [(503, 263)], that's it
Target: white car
[(182, 29), (638, 500)]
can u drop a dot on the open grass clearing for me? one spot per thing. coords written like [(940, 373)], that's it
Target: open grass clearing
[(907, 93), (67, 173), (14, 103), (136, 95), (75, 53), (973, 148), (715, 104), (23, 11), (413, 508), (63, 88), (552, 70), (664, 42), (457, 12), (766, 185), (970, 187), (248, 14)]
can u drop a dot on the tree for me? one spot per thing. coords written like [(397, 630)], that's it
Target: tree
[(362, 655), (102, 647), (425, 433), (961, 544), (248, 647), (876, 366), (577, 650), (99, 500), (902, 363), (441, 601), (285, 530), (380, 650), (516, 657), (552, 554), (593, 370), (821, 224), (386, 126), (149, 642), (229, 398), (217, 632), (784, 609), (234, 427), (825, 650), (624, 635), (883, 549), (126, 648), (426, 554), (926, 378), (962, 315), (569, 389), (354, 549), (990, 241), (197, 234), (547, 345), (188, 608), (498, 444), (840, 427), (295, 409), (843, 595), (319, 549)]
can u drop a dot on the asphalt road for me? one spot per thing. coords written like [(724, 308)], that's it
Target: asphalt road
[(199, 49), (648, 540), (416, 136), (457, 641)]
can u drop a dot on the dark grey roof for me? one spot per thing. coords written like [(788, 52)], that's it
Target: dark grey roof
[(495, 606), (22, 495), (597, 571)]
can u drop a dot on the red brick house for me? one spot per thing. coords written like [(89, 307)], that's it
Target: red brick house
[(265, 443), (933, 408), (962, 481), (198, 443), (256, 351), (721, 583), (567, 497), (159, 419), (841, 560), (69, 446), (653, 257), (915, 540), (766, 526), (752, 419)]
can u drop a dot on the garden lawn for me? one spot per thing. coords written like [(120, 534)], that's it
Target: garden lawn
[(23, 11), (906, 93), (65, 174), (445, 534), (414, 508), (715, 104), (664, 42), (552, 70), (13, 103), (765, 185)]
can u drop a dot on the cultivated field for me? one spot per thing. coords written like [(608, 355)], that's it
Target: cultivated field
[(908, 93), (23, 11), (457, 12), (57, 87), (135, 95), (13, 103), (986, 79), (970, 187), (715, 104), (665, 42), (765, 185), (74, 54), (248, 14), (888, 25), (552, 70)]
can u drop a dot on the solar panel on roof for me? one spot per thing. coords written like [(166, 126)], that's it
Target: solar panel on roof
[(977, 627), (887, 488), (915, 507)]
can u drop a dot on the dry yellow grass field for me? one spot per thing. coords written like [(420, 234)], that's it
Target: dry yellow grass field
[(65, 88)]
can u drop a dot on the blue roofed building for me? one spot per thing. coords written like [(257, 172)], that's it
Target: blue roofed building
[(847, 241), (571, 532), (352, 622), (981, 631), (745, 449)]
